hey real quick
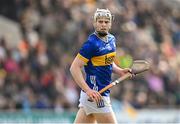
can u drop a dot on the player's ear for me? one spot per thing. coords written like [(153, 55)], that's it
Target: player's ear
[(110, 25)]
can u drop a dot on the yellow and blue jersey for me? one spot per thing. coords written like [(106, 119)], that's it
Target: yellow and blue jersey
[(98, 56)]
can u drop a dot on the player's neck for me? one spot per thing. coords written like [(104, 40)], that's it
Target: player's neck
[(103, 38)]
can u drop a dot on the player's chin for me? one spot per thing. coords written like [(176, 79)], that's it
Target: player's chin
[(102, 33)]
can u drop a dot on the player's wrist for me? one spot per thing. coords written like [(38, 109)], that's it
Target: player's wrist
[(126, 70), (87, 90)]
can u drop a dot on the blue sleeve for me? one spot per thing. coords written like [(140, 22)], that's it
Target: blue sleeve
[(87, 50)]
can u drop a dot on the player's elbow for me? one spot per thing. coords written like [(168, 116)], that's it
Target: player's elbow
[(71, 68)]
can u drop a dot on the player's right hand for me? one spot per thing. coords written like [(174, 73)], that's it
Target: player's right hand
[(94, 95)]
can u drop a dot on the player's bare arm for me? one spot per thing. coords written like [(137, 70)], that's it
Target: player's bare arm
[(75, 70), (119, 71)]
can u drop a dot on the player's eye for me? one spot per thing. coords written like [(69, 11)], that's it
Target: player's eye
[(100, 21), (106, 22)]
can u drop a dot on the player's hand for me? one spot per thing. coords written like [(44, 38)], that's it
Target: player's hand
[(128, 70), (94, 95)]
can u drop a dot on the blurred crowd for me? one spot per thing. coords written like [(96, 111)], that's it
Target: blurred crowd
[(35, 73)]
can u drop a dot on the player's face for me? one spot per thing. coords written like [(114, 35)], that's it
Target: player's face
[(102, 25)]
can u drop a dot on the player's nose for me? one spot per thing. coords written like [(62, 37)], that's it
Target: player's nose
[(104, 24)]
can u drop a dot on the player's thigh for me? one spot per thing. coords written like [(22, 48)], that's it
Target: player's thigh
[(105, 117), (81, 117)]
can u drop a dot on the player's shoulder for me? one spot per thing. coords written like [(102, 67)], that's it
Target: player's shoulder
[(111, 36), (91, 41), (92, 38)]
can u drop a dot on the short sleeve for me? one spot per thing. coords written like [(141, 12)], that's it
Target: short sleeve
[(87, 51)]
